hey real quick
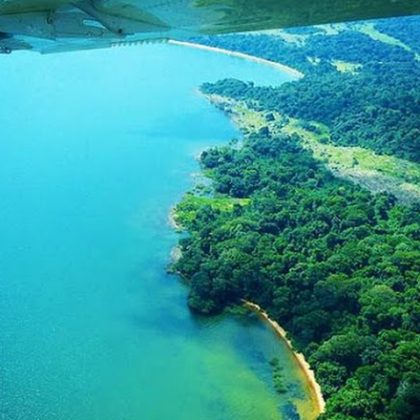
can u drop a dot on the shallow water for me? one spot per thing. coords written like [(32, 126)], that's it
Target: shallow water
[(95, 148)]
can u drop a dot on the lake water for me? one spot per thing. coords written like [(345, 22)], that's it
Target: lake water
[(95, 148)]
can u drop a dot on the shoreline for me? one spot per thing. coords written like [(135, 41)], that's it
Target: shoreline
[(278, 66), (315, 388), (171, 219), (300, 358)]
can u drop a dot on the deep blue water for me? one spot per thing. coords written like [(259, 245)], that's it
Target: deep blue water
[(95, 148)]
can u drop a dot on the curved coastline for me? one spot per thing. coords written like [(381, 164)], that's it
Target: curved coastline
[(315, 388), (309, 374), (300, 358), (282, 67)]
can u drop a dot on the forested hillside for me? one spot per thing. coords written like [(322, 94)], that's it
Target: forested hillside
[(336, 265), (364, 89)]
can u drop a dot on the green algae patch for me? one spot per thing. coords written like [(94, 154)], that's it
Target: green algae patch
[(278, 377)]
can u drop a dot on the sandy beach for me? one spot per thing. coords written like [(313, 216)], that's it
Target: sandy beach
[(279, 66), (304, 365), (308, 372)]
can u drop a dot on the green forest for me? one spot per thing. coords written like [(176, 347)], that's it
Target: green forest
[(376, 106), (337, 266)]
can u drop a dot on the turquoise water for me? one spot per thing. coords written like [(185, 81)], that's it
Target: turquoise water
[(95, 149)]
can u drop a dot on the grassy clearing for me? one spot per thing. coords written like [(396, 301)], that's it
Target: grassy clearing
[(295, 39), (354, 157), (331, 29), (362, 166), (314, 60), (346, 67), (249, 119), (186, 210), (370, 30)]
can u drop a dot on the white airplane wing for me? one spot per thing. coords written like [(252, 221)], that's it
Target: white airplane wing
[(63, 25)]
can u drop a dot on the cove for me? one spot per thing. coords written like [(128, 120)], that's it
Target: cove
[(95, 149)]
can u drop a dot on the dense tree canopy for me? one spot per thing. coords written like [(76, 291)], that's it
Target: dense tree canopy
[(338, 267), (376, 106), (406, 29)]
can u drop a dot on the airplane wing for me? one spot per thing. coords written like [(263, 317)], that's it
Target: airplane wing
[(63, 25)]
